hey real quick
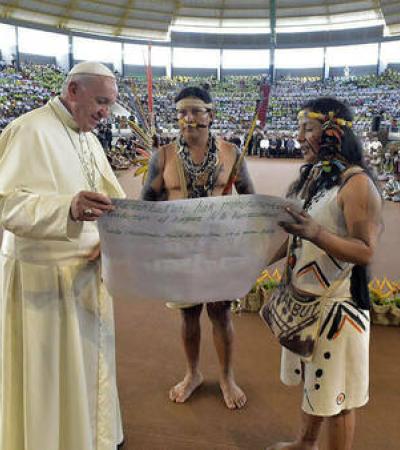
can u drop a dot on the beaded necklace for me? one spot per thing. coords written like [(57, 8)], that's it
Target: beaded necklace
[(201, 177)]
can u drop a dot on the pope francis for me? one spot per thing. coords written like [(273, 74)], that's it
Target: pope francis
[(57, 362)]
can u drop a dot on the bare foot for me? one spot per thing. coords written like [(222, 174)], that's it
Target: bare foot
[(183, 390), (292, 446), (234, 397)]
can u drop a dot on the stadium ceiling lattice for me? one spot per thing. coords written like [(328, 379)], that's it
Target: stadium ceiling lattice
[(153, 19), (391, 14)]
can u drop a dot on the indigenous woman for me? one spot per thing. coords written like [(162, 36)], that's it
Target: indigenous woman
[(331, 244)]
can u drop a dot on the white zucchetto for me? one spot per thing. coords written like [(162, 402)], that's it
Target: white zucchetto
[(91, 68)]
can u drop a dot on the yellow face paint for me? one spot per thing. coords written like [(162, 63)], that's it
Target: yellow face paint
[(185, 123)]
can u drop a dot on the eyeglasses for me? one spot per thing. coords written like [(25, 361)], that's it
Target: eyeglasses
[(196, 112)]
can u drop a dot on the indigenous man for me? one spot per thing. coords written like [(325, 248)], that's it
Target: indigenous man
[(199, 165), (57, 374)]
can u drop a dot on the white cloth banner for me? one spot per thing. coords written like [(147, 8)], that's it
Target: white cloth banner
[(191, 251)]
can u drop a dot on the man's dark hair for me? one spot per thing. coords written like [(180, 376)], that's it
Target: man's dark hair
[(194, 91)]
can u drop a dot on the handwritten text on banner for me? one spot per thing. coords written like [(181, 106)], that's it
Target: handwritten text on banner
[(196, 250)]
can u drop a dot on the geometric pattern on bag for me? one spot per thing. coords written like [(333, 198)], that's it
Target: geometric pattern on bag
[(294, 320)]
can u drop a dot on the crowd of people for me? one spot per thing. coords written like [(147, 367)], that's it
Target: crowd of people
[(27, 88), (235, 99)]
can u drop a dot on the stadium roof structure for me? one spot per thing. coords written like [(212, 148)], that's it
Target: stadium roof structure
[(154, 19)]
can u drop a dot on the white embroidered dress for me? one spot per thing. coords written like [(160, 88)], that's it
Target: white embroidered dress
[(337, 377)]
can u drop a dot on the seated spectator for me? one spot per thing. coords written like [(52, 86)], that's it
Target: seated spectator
[(391, 190)]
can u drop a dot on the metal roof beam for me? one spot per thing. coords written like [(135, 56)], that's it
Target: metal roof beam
[(69, 7), (9, 8), (124, 17)]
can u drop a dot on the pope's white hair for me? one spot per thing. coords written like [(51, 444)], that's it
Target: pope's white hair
[(78, 78), (81, 78)]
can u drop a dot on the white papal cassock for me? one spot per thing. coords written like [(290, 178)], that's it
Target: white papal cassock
[(57, 374)]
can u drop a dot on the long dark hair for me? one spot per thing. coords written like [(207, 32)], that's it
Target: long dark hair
[(345, 152), (348, 152)]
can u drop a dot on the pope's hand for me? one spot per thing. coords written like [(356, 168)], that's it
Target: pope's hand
[(89, 206)]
